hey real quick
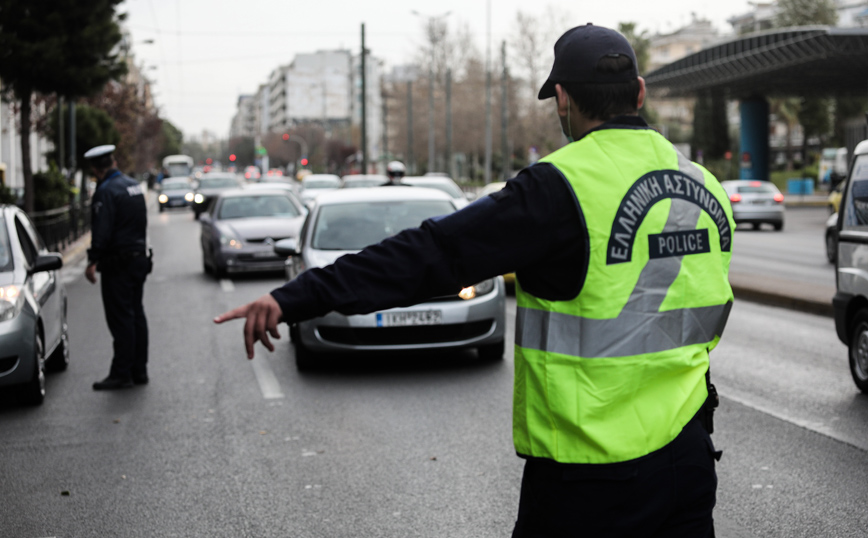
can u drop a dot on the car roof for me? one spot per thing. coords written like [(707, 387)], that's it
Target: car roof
[(381, 194), (320, 176), (214, 175), (244, 192), (428, 179), (861, 148), (365, 176)]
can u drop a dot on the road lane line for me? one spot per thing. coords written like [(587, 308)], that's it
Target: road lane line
[(227, 285), (268, 383)]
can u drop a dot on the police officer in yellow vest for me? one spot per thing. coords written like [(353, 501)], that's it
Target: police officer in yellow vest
[(621, 248)]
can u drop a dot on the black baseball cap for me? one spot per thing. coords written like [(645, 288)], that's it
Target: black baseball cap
[(577, 53)]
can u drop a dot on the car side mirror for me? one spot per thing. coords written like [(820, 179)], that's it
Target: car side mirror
[(205, 217), (47, 262), (286, 247)]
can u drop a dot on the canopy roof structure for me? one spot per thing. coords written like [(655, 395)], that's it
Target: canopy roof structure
[(801, 61)]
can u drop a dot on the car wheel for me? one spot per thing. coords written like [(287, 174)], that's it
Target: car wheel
[(491, 352), (778, 226), (33, 393), (831, 246), (859, 350), (59, 359)]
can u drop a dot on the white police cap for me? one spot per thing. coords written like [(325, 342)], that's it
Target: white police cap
[(99, 151)]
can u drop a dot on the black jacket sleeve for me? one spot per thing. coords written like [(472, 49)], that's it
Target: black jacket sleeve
[(533, 219)]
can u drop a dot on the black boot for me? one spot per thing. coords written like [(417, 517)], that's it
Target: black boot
[(113, 383)]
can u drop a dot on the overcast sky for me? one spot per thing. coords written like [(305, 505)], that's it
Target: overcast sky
[(207, 52)]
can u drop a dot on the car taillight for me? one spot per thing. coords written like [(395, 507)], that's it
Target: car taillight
[(779, 197), (735, 197)]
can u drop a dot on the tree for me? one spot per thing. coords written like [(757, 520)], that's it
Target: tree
[(172, 140), (56, 46), (640, 42), (806, 12), (710, 127), (93, 127)]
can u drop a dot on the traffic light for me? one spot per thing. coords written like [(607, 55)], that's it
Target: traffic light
[(304, 161), (285, 137), (232, 158)]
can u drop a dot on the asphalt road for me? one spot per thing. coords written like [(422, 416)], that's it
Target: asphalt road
[(418, 445)]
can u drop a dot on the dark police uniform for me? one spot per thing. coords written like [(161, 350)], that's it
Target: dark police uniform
[(119, 248), (535, 227)]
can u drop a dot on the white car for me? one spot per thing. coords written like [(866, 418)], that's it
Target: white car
[(315, 184), (346, 221), (441, 183)]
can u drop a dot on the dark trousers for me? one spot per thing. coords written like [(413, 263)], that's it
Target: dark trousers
[(122, 290), (668, 493)]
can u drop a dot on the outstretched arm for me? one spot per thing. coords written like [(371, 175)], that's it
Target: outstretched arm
[(260, 320)]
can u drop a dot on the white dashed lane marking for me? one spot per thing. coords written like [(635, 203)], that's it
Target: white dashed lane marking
[(268, 383)]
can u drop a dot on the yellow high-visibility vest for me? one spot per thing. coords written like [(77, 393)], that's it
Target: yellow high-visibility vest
[(618, 371)]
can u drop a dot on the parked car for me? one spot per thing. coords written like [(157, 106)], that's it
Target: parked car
[(345, 221), (312, 185), (360, 181), (175, 192), (33, 330), (441, 183), (492, 187), (241, 227), (755, 202), (851, 299), (832, 237), (209, 186)]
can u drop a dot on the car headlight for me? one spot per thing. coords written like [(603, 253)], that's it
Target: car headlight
[(188, 197), (163, 198), (11, 302), (231, 242), (198, 198), (484, 287)]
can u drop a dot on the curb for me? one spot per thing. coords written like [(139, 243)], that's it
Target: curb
[(770, 298)]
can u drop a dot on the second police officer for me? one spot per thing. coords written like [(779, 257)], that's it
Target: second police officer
[(621, 247), (119, 251)]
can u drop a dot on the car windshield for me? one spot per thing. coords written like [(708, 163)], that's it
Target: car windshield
[(321, 184), (357, 225), (763, 188), (242, 207), (5, 250), (217, 182), (176, 186)]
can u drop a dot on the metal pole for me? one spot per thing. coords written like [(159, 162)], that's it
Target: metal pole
[(432, 167), (450, 168), (504, 118), (61, 160), (410, 162), (487, 171), (364, 108)]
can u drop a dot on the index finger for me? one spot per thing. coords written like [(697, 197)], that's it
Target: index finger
[(235, 313)]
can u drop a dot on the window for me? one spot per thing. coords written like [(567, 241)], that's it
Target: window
[(856, 209)]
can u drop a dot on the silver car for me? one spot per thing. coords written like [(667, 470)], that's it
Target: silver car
[(851, 299), (315, 184), (33, 329), (241, 227), (441, 183), (346, 221), (755, 202)]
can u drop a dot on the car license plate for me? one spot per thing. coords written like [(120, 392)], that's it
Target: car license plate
[(412, 318), (263, 254)]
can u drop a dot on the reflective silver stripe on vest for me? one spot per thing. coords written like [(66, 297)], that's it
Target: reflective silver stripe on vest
[(640, 327), (631, 333)]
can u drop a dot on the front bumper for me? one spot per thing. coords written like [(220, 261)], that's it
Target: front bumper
[(17, 353), (250, 259), (465, 324)]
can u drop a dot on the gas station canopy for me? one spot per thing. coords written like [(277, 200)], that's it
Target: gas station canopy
[(801, 61)]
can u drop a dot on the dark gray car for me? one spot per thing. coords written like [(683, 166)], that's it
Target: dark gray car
[(241, 226)]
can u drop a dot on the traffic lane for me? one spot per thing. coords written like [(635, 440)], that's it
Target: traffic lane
[(778, 479), (408, 443), (790, 365), (796, 253)]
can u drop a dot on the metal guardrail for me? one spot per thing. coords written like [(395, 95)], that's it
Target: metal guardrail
[(61, 227)]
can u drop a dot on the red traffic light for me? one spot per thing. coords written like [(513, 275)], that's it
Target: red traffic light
[(232, 158), (286, 136), (304, 162)]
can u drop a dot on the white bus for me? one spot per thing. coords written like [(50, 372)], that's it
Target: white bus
[(178, 165)]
